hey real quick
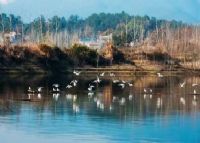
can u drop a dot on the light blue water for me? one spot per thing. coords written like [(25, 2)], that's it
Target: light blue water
[(142, 119)]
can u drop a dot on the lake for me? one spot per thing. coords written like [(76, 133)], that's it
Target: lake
[(152, 110)]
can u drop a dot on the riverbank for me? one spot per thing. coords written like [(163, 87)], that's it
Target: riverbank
[(43, 59)]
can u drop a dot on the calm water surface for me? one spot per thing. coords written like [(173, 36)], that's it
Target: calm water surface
[(169, 114)]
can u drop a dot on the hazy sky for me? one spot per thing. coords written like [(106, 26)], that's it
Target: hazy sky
[(186, 10)]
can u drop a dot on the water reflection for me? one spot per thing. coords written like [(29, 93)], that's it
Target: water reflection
[(150, 110)]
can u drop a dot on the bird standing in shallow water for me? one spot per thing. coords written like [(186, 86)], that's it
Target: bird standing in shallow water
[(56, 88), (30, 90)]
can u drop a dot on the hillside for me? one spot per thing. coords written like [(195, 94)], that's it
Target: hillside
[(138, 42)]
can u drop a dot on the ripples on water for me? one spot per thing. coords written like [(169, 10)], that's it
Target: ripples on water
[(170, 114)]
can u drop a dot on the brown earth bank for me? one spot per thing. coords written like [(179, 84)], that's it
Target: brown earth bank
[(125, 61)]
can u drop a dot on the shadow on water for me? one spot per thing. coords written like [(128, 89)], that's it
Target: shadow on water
[(49, 114)]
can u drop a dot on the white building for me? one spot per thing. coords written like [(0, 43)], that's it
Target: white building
[(98, 43), (11, 37)]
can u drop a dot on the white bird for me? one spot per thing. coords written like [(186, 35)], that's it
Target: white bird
[(123, 81), (194, 84), (97, 80), (130, 84), (150, 96), (90, 94), (76, 73), (56, 89), (112, 74), (148, 91), (160, 75), (122, 85), (115, 81), (182, 100), (30, 90), (102, 74), (69, 86), (55, 85), (89, 88), (74, 82), (182, 84), (40, 89), (92, 86)]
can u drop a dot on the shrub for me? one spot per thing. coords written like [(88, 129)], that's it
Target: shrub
[(83, 55)]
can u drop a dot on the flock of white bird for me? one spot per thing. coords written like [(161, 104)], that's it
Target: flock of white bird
[(148, 93), (195, 94)]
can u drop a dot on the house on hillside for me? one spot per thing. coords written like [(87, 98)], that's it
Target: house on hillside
[(90, 42), (105, 39)]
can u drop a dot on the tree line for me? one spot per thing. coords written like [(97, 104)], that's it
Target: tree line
[(62, 32)]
